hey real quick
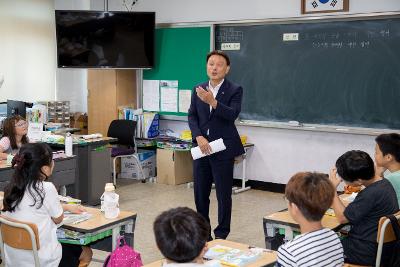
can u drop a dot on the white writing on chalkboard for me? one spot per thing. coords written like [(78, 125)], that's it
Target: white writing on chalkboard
[(362, 44), (229, 35), (383, 33)]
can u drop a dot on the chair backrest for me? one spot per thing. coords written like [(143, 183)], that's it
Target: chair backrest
[(20, 235), (124, 130), (387, 234)]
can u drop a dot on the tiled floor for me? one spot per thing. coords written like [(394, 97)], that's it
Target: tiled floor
[(150, 199)]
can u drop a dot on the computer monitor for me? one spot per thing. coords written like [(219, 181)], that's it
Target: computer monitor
[(15, 107)]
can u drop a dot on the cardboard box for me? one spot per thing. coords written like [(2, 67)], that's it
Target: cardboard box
[(129, 168), (79, 120), (174, 167)]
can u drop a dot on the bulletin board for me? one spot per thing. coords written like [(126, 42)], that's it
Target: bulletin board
[(180, 57)]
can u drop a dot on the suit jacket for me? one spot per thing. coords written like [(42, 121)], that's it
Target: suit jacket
[(220, 121)]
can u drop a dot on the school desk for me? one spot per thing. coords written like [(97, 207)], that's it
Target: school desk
[(280, 225), (98, 224), (268, 258), (64, 172)]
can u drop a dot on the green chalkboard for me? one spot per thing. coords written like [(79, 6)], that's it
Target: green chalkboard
[(340, 72), (181, 55)]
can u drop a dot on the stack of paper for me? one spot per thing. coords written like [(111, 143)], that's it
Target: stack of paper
[(216, 146), (71, 218)]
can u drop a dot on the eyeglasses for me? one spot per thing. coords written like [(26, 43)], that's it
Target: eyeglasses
[(21, 124)]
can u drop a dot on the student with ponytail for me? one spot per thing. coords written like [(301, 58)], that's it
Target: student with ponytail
[(30, 198)]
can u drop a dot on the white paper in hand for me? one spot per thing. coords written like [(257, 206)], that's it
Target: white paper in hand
[(216, 146)]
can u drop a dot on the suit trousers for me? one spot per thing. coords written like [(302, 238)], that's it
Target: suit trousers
[(207, 170)]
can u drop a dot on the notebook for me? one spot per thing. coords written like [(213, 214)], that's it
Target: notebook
[(231, 256)]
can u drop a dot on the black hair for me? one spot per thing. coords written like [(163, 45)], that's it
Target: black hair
[(389, 144), (219, 53), (354, 165), (181, 234), (28, 175)]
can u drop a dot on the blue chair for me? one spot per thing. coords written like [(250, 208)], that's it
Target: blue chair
[(125, 132)]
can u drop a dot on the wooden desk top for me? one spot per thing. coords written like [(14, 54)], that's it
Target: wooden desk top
[(283, 217), (102, 140), (266, 259), (327, 221), (3, 164), (98, 221)]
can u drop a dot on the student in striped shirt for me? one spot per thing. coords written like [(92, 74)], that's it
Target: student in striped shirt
[(310, 195)]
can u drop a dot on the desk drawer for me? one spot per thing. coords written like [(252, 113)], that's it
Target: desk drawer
[(64, 177), (65, 164)]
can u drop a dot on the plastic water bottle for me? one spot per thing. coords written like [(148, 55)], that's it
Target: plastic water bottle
[(68, 145), (109, 202)]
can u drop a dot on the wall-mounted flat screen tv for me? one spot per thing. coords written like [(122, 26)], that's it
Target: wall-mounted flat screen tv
[(97, 39)]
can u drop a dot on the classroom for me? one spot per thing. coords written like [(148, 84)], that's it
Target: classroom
[(315, 85)]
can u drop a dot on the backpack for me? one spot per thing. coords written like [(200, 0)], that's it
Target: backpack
[(123, 256), (392, 251)]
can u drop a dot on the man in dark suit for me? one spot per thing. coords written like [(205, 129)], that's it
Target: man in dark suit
[(214, 107)]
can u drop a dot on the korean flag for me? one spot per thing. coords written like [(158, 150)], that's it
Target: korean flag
[(324, 5)]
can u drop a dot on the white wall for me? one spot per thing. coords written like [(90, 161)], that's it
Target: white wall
[(174, 11), (72, 86), (27, 50)]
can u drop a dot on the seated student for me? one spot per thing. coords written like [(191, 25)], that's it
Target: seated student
[(15, 129), (310, 195), (377, 199), (387, 156), (29, 198), (181, 236)]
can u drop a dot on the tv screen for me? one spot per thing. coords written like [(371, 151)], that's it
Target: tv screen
[(97, 39)]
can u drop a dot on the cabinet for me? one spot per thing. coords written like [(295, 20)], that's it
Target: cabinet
[(107, 90)]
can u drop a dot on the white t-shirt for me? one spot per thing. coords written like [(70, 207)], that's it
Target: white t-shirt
[(50, 251), (321, 248)]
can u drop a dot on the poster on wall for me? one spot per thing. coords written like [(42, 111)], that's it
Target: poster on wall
[(169, 96), (151, 95), (324, 6)]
